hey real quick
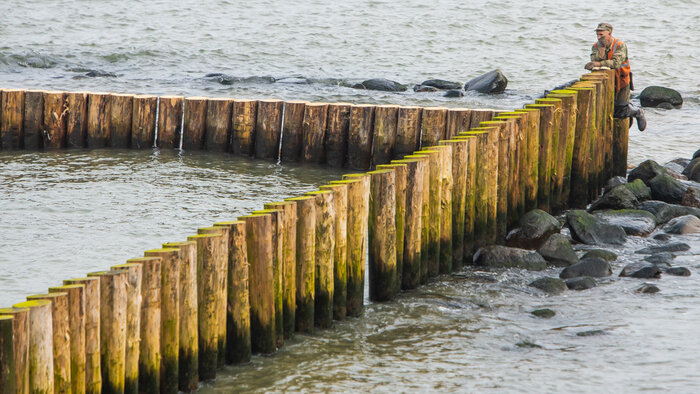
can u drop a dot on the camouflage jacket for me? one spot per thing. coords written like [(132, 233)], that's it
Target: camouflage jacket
[(619, 56)]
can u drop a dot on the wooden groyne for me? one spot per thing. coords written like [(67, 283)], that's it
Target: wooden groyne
[(444, 182)]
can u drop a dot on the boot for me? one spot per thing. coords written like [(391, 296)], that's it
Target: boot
[(638, 114)]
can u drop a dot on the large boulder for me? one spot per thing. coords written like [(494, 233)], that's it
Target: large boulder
[(614, 181), (641, 270), (580, 283), (535, 227), (665, 211), (619, 197), (382, 84), (652, 96), (667, 188), (557, 250), (646, 171), (593, 267), (688, 169), (696, 154), (633, 221), (590, 230), (672, 247), (691, 197), (497, 256), (677, 271), (442, 84), (639, 189), (491, 82), (601, 254), (687, 224), (549, 285)]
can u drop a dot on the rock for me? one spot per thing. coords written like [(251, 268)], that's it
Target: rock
[(100, 73), (230, 80), (652, 96), (646, 171), (681, 161), (549, 285), (690, 166), (590, 230), (544, 313), (662, 237), (293, 80), (442, 84), (497, 256), (640, 190), (619, 197), (454, 93), (667, 188), (535, 227), (601, 254), (633, 221), (696, 154), (382, 84), (528, 344), (595, 267), (665, 106), (491, 82), (557, 251), (691, 197), (662, 259), (687, 224), (581, 283), (591, 333), (424, 89), (672, 247), (641, 270), (648, 288), (677, 271), (614, 181), (665, 212), (674, 169)]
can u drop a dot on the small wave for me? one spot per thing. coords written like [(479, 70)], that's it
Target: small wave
[(33, 59)]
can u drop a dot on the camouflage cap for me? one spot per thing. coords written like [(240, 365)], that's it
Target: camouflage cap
[(604, 26)]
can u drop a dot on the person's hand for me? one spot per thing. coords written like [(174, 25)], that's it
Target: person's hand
[(590, 65)]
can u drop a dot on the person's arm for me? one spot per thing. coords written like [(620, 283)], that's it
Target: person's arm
[(618, 57), (595, 58)]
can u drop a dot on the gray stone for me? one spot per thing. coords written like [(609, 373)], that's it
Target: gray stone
[(590, 230), (648, 288), (665, 212), (696, 154), (662, 259), (633, 221), (453, 93), (640, 190), (665, 106), (672, 247), (544, 313), (581, 283), (425, 89), (381, 84), (677, 271), (619, 197), (442, 84), (690, 166), (662, 237), (497, 256), (652, 96), (535, 227), (594, 267), (549, 285), (691, 197), (601, 254), (674, 169), (614, 181), (687, 224), (646, 171), (491, 82), (667, 188), (591, 333), (557, 250), (641, 270)]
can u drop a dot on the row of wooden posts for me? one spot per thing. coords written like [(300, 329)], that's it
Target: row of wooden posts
[(166, 321)]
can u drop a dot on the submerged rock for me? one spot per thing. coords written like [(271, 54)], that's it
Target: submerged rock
[(590, 230), (653, 96), (662, 259), (641, 270), (549, 285), (648, 288), (662, 237), (594, 267), (454, 93), (677, 271), (535, 227), (601, 254), (491, 82), (442, 84), (381, 84), (687, 224), (665, 211), (544, 313), (497, 256), (557, 250), (581, 283), (672, 247), (425, 89), (591, 333), (633, 221)]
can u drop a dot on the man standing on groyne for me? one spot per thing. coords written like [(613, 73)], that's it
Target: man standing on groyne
[(611, 53)]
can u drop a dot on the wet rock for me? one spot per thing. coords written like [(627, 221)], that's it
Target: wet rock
[(535, 227), (425, 89), (100, 73), (601, 254), (633, 221), (614, 181), (619, 197), (648, 288), (667, 188), (528, 344), (491, 82), (653, 96), (581, 283), (591, 333), (230, 80), (665, 106), (690, 166), (662, 237), (442, 84), (641, 270), (639, 189), (672, 247), (687, 224), (674, 169), (557, 250), (590, 230), (646, 171), (677, 271), (549, 285), (691, 197), (454, 93), (594, 267), (293, 80), (665, 211), (497, 256), (662, 259), (382, 84), (696, 154), (544, 313)]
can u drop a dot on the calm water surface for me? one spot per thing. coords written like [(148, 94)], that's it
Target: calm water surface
[(67, 213)]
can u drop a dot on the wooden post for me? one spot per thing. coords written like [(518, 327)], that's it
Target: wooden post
[(262, 308), (143, 122), (218, 124), (411, 243), (113, 301), (360, 136), (459, 163), (238, 348), (400, 173), (12, 119), (425, 219), (480, 115), (336, 142), (446, 186), (120, 119), (40, 355), (408, 131), (621, 132), (313, 129), (188, 355), (566, 140), (458, 121), (134, 274), (435, 186), (14, 374), (340, 249), (76, 120), (169, 122), (504, 132), (207, 322), (578, 194), (558, 151), (54, 127), (544, 174), (382, 236), (292, 134), (597, 135), (61, 339), (243, 126), (324, 247), (149, 324), (358, 212), (98, 120), (434, 126), (169, 316), (194, 123), (470, 196), (529, 168), (288, 263), (386, 119), (93, 370), (33, 119), (305, 262), (268, 129), (515, 122), (221, 277)]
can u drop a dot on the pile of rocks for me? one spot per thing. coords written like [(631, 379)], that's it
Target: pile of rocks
[(491, 82)]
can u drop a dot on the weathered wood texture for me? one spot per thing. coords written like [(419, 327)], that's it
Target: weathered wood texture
[(98, 120), (386, 119), (169, 122), (54, 126), (336, 141), (14, 372), (268, 129), (360, 136), (292, 134), (382, 236), (434, 126), (93, 373), (407, 131), (121, 108), (12, 119), (143, 122), (340, 249), (194, 123), (324, 246), (40, 354), (218, 123), (76, 120), (400, 214), (313, 131), (358, 212), (33, 120), (305, 262), (243, 127)]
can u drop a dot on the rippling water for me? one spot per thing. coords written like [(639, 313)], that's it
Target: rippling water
[(63, 214)]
